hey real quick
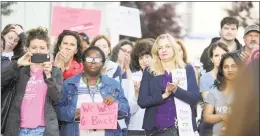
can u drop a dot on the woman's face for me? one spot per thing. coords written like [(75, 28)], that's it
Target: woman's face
[(38, 46), (103, 45), (84, 45), (69, 43), (180, 51), (145, 61), (217, 55), (230, 69), (165, 50), (93, 63), (124, 52), (11, 40)]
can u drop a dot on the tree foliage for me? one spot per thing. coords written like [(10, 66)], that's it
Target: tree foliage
[(242, 10), (5, 8), (156, 19)]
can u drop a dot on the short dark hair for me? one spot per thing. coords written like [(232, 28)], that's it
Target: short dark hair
[(3, 40), (40, 33), (85, 37), (229, 21), (116, 49), (213, 46), (141, 48), (77, 56), (93, 48), (220, 82)]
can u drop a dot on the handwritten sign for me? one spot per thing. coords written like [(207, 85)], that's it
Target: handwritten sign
[(180, 75), (98, 116), (124, 20), (75, 19)]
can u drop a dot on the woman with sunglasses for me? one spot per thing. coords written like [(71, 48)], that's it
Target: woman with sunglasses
[(84, 41), (90, 87), (67, 54)]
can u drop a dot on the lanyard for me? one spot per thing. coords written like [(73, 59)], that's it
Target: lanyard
[(91, 93)]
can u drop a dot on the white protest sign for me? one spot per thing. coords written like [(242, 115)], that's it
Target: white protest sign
[(183, 109), (124, 20)]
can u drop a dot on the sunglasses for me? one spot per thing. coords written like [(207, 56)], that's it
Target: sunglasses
[(96, 60)]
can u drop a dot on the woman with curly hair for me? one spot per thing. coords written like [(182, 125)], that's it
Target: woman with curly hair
[(38, 89), (67, 54), (141, 58), (220, 97)]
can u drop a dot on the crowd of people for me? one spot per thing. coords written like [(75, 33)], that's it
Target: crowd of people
[(156, 87)]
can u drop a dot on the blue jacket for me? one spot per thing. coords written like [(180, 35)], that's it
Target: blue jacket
[(66, 108), (150, 96)]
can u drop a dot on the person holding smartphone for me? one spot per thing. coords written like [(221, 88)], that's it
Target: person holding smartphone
[(38, 89), (90, 86)]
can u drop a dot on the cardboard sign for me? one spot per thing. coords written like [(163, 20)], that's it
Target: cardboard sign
[(180, 75), (124, 20), (75, 19), (98, 116)]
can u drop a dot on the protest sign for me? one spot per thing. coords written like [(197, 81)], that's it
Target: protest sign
[(75, 19), (124, 20), (98, 116)]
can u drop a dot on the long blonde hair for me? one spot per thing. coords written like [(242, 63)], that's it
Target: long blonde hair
[(157, 67)]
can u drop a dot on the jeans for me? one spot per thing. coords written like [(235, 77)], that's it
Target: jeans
[(39, 131)]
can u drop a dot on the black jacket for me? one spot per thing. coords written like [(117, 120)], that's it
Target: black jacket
[(205, 59), (21, 76)]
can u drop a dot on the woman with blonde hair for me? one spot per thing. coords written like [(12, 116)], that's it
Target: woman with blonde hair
[(168, 91)]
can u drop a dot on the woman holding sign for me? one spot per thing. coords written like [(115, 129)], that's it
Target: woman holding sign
[(168, 91), (92, 88), (37, 87)]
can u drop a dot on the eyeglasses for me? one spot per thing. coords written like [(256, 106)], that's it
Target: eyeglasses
[(96, 60), (125, 51)]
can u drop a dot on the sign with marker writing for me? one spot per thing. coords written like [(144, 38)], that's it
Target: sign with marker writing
[(98, 116), (75, 19), (180, 75)]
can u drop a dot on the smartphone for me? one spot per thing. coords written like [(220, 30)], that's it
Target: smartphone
[(40, 58)]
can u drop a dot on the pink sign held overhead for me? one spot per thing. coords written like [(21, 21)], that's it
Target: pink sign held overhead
[(98, 116), (75, 19)]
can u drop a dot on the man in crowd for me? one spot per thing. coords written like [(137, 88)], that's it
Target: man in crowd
[(251, 40), (228, 32)]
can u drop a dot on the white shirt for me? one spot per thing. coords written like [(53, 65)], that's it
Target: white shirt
[(83, 97), (8, 54), (137, 114)]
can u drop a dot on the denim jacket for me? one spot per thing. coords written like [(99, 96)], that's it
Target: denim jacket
[(66, 108)]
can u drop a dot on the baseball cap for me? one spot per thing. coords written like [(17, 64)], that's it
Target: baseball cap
[(251, 28)]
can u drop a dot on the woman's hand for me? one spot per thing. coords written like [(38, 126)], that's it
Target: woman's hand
[(25, 60), (108, 100), (172, 87), (17, 29), (137, 87), (47, 67)]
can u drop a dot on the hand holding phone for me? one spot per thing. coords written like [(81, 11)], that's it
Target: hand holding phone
[(40, 58)]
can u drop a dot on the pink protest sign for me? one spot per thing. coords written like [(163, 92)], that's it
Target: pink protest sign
[(75, 19), (98, 116)]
